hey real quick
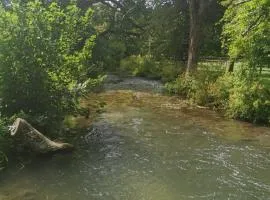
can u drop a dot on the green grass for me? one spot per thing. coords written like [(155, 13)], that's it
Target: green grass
[(266, 77), (217, 66), (220, 66)]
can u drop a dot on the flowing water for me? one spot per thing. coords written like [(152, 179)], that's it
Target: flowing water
[(146, 146)]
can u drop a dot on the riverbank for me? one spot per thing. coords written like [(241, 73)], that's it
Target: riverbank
[(139, 92), (146, 145)]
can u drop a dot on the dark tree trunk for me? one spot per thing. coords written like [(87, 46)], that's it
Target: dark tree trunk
[(193, 37), (196, 11), (230, 66)]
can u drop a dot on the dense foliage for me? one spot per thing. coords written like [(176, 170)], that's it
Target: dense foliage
[(154, 28), (147, 66), (246, 31), (45, 53), (244, 92), (48, 56), (240, 95)]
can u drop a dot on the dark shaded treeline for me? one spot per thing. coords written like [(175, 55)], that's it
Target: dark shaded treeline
[(175, 30)]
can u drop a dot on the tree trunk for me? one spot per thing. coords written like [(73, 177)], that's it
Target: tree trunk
[(230, 66), (34, 140), (196, 12), (194, 27)]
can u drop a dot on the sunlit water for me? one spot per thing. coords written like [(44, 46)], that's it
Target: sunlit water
[(150, 147)]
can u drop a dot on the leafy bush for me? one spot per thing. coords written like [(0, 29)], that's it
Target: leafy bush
[(44, 59), (250, 102), (3, 129), (241, 94), (249, 99), (143, 66), (4, 144), (130, 64), (220, 91), (170, 70), (179, 86), (146, 66), (195, 87)]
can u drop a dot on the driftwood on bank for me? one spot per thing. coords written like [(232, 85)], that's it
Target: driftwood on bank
[(33, 139)]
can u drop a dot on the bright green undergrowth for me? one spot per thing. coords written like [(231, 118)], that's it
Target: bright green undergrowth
[(242, 95), (147, 66), (45, 61)]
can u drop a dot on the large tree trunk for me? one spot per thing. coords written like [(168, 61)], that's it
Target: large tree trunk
[(196, 11), (193, 45), (194, 28), (31, 138)]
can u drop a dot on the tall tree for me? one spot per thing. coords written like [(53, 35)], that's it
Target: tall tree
[(197, 9), (167, 30)]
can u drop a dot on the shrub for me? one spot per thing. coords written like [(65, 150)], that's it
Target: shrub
[(249, 99), (143, 66), (195, 87), (170, 70), (220, 91), (250, 102), (146, 66), (201, 83), (4, 144), (44, 58), (241, 94), (179, 86)]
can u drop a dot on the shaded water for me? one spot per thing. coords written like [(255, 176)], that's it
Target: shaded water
[(146, 146)]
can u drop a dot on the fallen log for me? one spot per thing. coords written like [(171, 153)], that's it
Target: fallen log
[(33, 139)]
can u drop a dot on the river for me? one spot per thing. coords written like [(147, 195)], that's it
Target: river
[(143, 145)]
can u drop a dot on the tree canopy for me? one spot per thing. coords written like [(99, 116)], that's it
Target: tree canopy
[(246, 31)]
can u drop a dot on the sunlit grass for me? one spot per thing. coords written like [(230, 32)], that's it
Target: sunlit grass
[(266, 77), (221, 65)]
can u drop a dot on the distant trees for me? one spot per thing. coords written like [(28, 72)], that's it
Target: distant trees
[(119, 26), (167, 30), (179, 30)]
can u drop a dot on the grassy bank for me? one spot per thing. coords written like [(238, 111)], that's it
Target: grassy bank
[(243, 94)]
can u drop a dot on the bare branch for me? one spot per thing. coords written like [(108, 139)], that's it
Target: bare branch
[(235, 3), (241, 2)]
